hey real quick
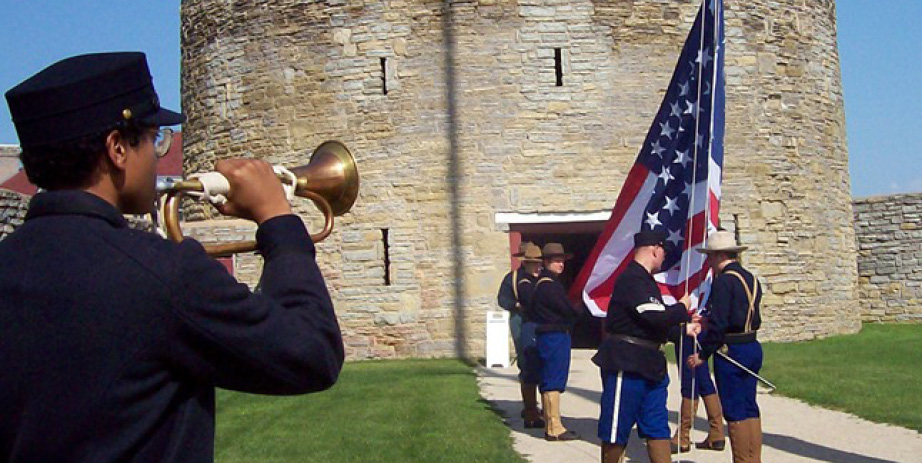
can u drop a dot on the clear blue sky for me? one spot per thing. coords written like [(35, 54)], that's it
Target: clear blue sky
[(878, 42)]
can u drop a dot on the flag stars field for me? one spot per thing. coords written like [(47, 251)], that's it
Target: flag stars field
[(674, 186)]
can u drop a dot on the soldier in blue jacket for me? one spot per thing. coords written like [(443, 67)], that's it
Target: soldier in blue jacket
[(697, 382), (514, 295), (554, 317), (113, 340), (736, 296), (632, 365)]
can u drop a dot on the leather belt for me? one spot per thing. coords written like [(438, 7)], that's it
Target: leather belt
[(740, 338), (637, 341), (552, 328)]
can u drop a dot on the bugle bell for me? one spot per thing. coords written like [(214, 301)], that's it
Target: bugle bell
[(330, 180)]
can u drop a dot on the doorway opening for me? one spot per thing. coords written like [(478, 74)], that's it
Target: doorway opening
[(577, 238)]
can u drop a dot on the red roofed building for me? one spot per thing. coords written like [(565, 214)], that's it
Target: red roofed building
[(11, 175), (19, 183), (171, 164), (168, 167)]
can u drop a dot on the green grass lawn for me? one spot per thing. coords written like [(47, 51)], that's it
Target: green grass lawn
[(430, 411), (875, 374), (379, 411)]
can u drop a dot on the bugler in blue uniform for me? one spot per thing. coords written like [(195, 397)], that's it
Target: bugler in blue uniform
[(112, 340)]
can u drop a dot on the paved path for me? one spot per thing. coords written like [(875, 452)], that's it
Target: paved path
[(794, 432)]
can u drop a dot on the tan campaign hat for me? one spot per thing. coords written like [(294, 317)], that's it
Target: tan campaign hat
[(522, 247), (552, 250), (532, 253), (721, 241)]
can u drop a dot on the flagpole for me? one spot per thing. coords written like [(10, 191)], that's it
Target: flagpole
[(691, 204), (718, 49), (707, 218), (695, 159)]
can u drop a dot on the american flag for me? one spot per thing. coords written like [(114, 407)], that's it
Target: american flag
[(674, 186)]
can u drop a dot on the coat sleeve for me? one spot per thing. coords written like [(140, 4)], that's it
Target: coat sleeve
[(718, 318), (526, 293), (559, 302), (284, 340), (649, 311), (506, 297)]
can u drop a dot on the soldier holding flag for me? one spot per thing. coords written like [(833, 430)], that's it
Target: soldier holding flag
[(633, 367), (671, 196)]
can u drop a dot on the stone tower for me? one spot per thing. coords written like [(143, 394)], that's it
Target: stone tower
[(479, 123)]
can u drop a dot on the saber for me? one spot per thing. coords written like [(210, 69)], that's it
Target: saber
[(762, 380)]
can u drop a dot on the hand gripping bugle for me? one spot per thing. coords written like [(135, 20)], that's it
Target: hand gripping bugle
[(330, 180)]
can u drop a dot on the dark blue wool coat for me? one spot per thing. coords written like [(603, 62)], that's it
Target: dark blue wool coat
[(113, 340)]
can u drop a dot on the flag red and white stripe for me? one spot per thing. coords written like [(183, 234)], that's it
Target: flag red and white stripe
[(674, 186)]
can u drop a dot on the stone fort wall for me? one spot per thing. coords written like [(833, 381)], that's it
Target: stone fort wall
[(889, 230), (473, 123)]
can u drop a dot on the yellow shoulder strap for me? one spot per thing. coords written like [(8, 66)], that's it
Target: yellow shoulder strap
[(749, 295)]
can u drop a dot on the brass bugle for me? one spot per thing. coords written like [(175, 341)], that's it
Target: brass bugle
[(330, 180)]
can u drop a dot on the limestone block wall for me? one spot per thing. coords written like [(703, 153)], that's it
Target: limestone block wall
[(454, 113), (889, 234), (787, 182), (247, 267)]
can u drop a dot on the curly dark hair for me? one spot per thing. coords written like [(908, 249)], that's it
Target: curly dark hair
[(70, 164)]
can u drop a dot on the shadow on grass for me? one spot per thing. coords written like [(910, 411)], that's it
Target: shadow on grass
[(586, 428), (474, 362)]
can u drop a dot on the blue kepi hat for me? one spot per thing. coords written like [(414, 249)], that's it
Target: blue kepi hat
[(84, 95), (649, 238)]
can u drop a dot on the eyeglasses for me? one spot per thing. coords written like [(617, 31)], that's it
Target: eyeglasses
[(163, 138)]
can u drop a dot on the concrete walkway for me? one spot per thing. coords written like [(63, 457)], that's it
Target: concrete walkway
[(793, 431)]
